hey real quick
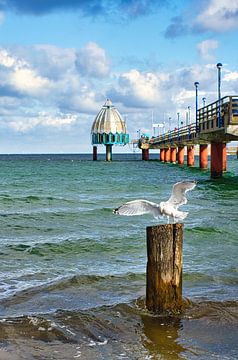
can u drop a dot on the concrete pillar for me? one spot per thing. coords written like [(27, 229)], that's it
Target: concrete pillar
[(162, 153), (173, 154), (203, 156), (190, 155), (108, 152), (217, 162), (145, 154), (167, 155), (181, 155), (224, 157), (95, 153)]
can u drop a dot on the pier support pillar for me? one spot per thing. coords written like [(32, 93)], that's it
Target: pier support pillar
[(173, 153), (108, 152), (145, 154), (164, 268), (161, 155), (224, 157), (190, 155), (203, 156), (181, 155), (218, 159), (95, 153), (167, 155)]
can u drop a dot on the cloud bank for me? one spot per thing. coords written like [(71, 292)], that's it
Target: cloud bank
[(205, 16), (48, 87), (92, 8)]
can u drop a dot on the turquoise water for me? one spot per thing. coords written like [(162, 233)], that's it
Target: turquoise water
[(72, 274)]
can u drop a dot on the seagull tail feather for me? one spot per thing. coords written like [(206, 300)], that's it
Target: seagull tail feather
[(181, 215)]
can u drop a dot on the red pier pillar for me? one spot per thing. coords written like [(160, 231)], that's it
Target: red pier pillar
[(181, 155), (167, 155), (162, 153), (190, 155), (203, 156), (145, 154), (95, 153), (224, 157), (218, 159), (173, 153)]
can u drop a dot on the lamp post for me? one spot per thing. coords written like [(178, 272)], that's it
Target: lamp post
[(204, 101), (178, 114), (169, 123), (219, 66), (189, 115), (196, 89)]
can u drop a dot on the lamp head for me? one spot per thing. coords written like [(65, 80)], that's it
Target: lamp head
[(196, 83), (219, 65)]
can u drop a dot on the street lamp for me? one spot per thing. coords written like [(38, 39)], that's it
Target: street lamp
[(169, 123), (219, 66), (196, 87), (204, 101), (189, 115), (178, 114)]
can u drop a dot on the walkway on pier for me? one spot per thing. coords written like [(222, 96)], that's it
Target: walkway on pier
[(216, 124)]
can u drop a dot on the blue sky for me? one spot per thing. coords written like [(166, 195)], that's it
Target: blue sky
[(60, 60)]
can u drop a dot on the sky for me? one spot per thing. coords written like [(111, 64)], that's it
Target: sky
[(61, 59)]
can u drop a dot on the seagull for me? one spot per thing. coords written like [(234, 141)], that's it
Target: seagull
[(167, 208)]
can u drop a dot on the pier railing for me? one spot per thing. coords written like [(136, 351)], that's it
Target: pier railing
[(215, 117)]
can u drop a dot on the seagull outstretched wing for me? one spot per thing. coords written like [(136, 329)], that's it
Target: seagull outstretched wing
[(138, 207), (179, 190)]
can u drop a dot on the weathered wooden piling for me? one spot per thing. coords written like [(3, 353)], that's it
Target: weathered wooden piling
[(164, 268)]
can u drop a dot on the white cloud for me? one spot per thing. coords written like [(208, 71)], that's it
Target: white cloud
[(231, 76), (206, 48), (92, 61), (28, 122), (19, 75), (26, 80), (9, 61), (219, 16), (142, 89)]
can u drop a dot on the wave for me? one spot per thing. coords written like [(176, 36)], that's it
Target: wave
[(5, 199), (198, 278), (206, 230), (67, 283), (71, 246)]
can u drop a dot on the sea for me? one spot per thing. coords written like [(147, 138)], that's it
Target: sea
[(73, 274)]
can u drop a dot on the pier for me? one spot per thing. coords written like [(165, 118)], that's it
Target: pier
[(216, 124)]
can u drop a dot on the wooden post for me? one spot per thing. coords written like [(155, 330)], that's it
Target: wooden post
[(164, 268)]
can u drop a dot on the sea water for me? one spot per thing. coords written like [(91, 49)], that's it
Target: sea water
[(72, 274)]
